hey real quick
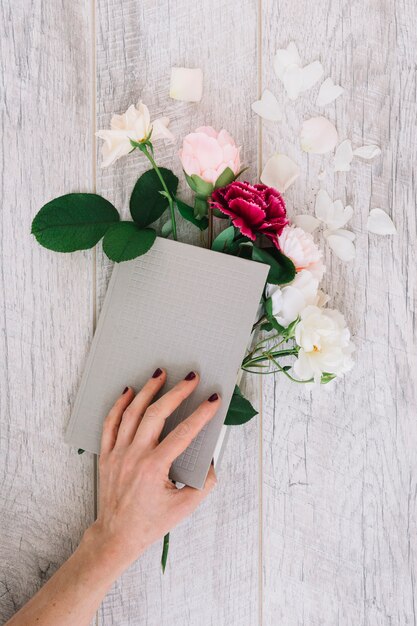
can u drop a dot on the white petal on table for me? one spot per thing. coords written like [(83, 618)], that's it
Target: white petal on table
[(267, 107), (186, 84), (341, 242), (286, 57), (280, 172), (295, 78), (333, 214), (308, 223), (318, 135), (343, 156), (367, 152), (380, 223), (328, 92)]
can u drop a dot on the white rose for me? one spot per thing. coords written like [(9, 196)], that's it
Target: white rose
[(299, 246), (134, 124), (289, 301), (325, 344)]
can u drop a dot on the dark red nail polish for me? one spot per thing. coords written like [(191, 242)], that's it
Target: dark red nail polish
[(124, 390), (157, 373), (213, 397), (190, 376)]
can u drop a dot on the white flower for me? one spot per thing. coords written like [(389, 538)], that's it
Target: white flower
[(134, 124), (325, 344), (299, 246), (289, 301), (318, 135)]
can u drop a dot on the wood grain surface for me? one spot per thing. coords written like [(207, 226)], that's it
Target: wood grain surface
[(46, 489), (314, 517)]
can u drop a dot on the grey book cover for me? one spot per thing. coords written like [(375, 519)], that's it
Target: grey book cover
[(182, 308)]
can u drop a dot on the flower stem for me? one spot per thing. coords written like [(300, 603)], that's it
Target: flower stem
[(147, 153), (266, 356), (164, 556)]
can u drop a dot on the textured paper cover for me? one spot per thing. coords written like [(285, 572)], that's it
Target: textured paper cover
[(182, 308)]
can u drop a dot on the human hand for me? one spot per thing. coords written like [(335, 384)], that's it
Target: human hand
[(138, 503)]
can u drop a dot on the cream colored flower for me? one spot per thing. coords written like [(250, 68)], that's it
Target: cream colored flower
[(289, 301), (325, 345), (134, 124)]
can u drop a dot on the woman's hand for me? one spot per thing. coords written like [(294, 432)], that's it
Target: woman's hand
[(138, 503)]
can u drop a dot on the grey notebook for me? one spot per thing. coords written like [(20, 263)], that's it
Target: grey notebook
[(182, 308)]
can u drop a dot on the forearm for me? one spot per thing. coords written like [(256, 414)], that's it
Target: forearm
[(75, 591)]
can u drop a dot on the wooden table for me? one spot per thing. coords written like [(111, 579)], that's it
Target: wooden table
[(314, 518)]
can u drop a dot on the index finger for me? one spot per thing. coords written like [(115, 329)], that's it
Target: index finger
[(180, 438)]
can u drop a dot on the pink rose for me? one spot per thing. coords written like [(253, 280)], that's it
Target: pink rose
[(253, 209), (207, 153), (299, 246)]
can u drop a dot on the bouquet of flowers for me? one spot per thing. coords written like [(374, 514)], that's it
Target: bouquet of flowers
[(301, 338)]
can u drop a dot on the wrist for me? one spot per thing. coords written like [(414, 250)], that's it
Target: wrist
[(107, 551)]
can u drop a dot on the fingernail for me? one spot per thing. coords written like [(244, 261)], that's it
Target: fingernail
[(157, 373), (124, 390), (213, 397), (190, 376)]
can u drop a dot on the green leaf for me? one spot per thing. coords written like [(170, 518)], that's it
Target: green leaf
[(326, 377), (146, 202), (76, 221), (225, 178), (240, 410), (80, 451), (199, 186), (187, 212), (282, 269), (224, 241), (125, 241)]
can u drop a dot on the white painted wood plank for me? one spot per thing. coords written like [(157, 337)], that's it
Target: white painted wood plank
[(46, 494), (340, 464), (212, 576)]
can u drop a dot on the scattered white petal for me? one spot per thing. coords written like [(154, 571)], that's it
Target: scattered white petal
[(267, 107), (285, 58), (380, 223), (333, 214), (295, 78), (307, 222), (343, 156), (318, 135), (342, 232), (342, 246), (328, 92), (321, 175), (367, 152), (280, 172), (311, 74), (186, 84)]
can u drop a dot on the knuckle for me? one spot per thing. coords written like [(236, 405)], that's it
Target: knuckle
[(153, 412), (129, 414), (183, 430)]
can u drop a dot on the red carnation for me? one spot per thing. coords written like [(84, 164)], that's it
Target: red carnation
[(253, 209)]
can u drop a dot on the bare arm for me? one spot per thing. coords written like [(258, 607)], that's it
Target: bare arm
[(138, 504)]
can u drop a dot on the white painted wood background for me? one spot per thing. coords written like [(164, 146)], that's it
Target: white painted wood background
[(314, 518)]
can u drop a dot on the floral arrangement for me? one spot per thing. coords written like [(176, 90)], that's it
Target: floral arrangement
[(296, 333)]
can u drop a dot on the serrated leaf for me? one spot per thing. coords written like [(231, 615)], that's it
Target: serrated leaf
[(282, 269), (187, 212), (76, 221), (326, 378), (240, 410), (224, 241), (125, 241), (146, 202)]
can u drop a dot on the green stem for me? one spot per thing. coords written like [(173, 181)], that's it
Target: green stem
[(164, 556), (266, 356), (170, 199)]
